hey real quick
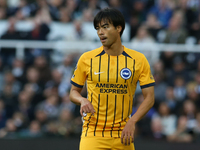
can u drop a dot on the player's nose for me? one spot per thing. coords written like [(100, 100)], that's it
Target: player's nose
[(100, 32)]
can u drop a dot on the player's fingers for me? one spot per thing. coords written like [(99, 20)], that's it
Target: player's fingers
[(128, 140), (132, 138), (91, 108), (122, 138), (125, 139), (81, 112), (86, 110)]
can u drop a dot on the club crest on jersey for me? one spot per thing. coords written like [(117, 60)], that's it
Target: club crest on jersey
[(125, 73)]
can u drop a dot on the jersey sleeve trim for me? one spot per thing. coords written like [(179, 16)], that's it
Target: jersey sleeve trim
[(125, 54), (77, 85), (148, 85), (103, 52)]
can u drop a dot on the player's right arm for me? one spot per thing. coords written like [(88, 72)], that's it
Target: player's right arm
[(78, 81), (76, 98)]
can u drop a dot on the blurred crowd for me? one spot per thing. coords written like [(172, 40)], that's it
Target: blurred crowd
[(34, 92)]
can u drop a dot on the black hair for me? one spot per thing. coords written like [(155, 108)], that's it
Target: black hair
[(113, 15)]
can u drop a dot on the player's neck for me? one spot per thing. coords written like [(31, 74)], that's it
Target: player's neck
[(115, 49)]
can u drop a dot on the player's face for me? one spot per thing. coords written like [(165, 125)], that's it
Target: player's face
[(107, 33)]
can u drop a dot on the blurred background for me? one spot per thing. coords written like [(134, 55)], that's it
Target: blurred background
[(41, 41)]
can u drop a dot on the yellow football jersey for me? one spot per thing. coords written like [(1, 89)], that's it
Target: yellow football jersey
[(111, 85)]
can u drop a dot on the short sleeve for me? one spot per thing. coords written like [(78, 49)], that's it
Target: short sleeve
[(79, 77), (146, 79)]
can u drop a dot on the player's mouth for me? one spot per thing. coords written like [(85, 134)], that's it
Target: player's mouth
[(103, 39)]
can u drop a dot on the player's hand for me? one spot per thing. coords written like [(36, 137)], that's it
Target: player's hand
[(86, 107), (127, 135)]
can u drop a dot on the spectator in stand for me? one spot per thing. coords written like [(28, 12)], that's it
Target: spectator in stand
[(3, 3), (32, 9), (167, 57), (65, 125), (175, 32), (15, 9), (179, 88), (187, 123), (71, 6), (8, 54), (66, 104), (195, 28), (137, 16), (143, 38), (20, 120), (66, 69), (40, 31), (9, 131), (65, 16), (55, 81), (9, 98), (77, 33), (118, 4), (170, 100), (18, 69), (41, 117), (197, 128), (153, 25), (181, 134), (33, 131), (197, 80), (163, 12), (41, 64), (3, 114), (29, 88), (1, 74), (189, 110), (160, 79), (190, 17), (89, 9), (33, 85), (2, 13), (50, 106), (158, 67), (68, 11), (24, 105), (9, 79), (56, 3), (156, 128), (178, 69), (55, 85), (198, 64), (168, 120), (143, 127), (41, 28), (192, 93), (87, 15), (160, 88)]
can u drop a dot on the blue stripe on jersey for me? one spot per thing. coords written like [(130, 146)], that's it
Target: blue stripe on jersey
[(148, 85), (103, 52), (77, 85), (125, 54)]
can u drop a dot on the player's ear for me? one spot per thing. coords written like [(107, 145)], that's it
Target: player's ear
[(119, 28)]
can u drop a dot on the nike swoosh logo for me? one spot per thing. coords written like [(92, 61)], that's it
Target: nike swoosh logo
[(98, 72)]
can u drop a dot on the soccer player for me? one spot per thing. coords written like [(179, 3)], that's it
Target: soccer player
[(112, 72)]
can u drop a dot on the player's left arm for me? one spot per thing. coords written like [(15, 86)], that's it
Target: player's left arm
[(128, 131)]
